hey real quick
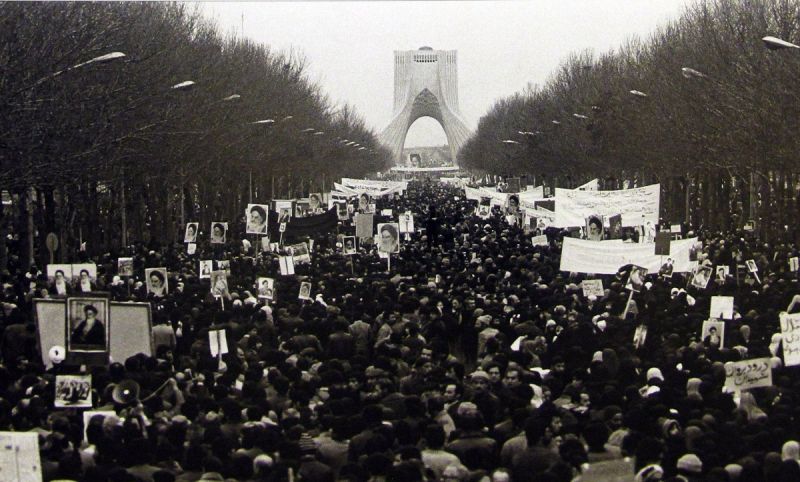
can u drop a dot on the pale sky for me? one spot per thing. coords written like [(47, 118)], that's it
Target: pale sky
[(502, 46)]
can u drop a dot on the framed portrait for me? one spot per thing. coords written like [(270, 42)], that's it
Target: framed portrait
[(305, 291), (73, 391), (157, 281), (219, 284), (224, 265), (302, 209), (125, 266), (84, 276), (700, 277), (206, 267), (266, 288), (636, 279), (594, 227), (87, 324), (364, 202), (59, 276), (723, 272), (315, 203), (667, 268), (389, 237), (257, 216), (751, 266), (713, 334), (219, 232), (190, 236), (349, 245), (299, 252)]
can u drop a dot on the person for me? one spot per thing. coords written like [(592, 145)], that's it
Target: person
[(218, 233), (594, 229), (712, 340), (158, 283), (315, 203), (90, 332), (85, 282), (389, 241), (257, 220), (191, 233), (60, 283)]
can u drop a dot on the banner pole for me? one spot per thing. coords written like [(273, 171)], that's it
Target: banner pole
[(627, 305)]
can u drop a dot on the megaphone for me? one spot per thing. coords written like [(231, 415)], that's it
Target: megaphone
[(126, 392)]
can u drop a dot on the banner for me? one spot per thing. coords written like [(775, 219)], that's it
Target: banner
[(425, 169), (606, 257), (455, 181), (746, 374), (721, 307), (373, 188), (306, 226), (592, 185), (637, 206), (19, 456), (593, 287), (790, 334)]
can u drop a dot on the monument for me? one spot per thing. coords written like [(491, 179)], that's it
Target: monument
[(425, 85)]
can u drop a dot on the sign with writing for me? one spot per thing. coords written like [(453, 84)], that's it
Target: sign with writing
[(217, 342), (540, 240), (19, 456), (746, 374), (593, 287), (721, 307), (606, 257), (637, 206), (790, 334)]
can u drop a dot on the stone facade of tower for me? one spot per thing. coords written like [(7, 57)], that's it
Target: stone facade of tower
[(425, 85)]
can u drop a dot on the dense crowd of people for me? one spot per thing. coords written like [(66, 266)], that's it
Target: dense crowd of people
[(472, 358)]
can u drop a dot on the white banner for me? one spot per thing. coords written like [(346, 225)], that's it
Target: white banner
[(455, 181), (790, 336), (592, 185), (532, 192), (370, 186), (425, 169), (637, 206), (606, 257), (746, 374), (19, 456)]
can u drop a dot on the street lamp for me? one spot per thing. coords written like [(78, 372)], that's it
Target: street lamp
[(102, 59), (690, 73), (638, 93), (774, 43), (264, 121), (555, 122), (185, 85), (308, 129), (509, 141), (580, 116), (232, 97)]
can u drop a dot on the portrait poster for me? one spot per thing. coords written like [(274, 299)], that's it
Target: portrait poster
[(406, 223), (257, 216), (364, 202), (305, 291), (299, 252), (315, 203), (594, 227), (712, 333), (593, 287), (87, 324), (389, 238), (615, 227), (157, 281), (721, 308), (266, 288), (191, 248), (700, 277), (636, 279), (59, 276), (349, 245), (265, 242), (206, 267), (125, 266), (746, 374), (224, 265), (751, 266), (301, 209), (190, 235), (219, 232), (219, 284), (84, 276), (284, 208), (287, 265), (73, 391), (342, 212), (723, 271)]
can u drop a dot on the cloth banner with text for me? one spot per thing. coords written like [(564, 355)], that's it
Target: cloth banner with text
[(606, 257), (637, 206)]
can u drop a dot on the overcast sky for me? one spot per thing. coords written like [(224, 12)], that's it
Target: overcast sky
[(502, 46)]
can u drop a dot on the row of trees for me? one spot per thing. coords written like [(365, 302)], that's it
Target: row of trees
[(188, 124), (702, 106)]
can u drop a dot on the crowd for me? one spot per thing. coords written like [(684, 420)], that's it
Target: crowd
[(474, 358)]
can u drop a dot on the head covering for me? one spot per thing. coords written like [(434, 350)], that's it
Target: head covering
[(479, 374), (690, 463), (650, 473), (655, 372), (790, 451)]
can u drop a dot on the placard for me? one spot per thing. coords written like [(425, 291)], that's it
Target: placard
[(287, 265), (721, 307), (790, 338), (364, 226), (794, 263), (636, 279), (406, 223), (606, 257), (73, 391), (700, 277), (349, 245), (266, 288), (299, 252), (206, 267), (388, 238), (125, 266), (593, 287), (219, 284), (84, 276), (712, 334), (157, 281), (219, 232), (747, 374), (257, 216), (217, 342), (19, 457), (305, 291), (540, 240)]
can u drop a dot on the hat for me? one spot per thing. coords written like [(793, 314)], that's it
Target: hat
[(690, 463), (654, 373), (479, 374), (650, 473)]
